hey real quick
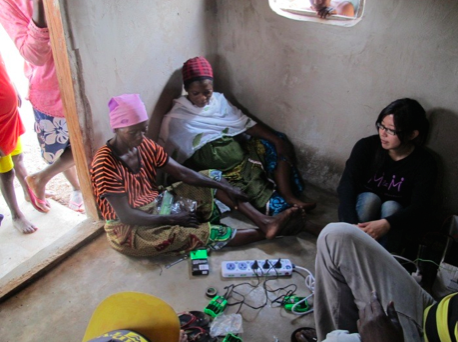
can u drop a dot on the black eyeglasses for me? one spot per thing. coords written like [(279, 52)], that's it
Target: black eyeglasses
[(387, 130)]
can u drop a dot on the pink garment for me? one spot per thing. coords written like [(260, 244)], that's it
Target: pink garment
[(34, 45), (11, 126), (126, 110)]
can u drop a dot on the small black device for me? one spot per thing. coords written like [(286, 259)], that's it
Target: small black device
[(199, 262)]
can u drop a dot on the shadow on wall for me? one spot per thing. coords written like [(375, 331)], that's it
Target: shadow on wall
[(171, 91), (223, 81), (312, 163), (442, 142)]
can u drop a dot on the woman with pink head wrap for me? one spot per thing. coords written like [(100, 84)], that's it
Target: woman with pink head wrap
[(123, 176)]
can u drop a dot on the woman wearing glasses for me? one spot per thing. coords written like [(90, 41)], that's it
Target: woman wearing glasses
[(388, 181)]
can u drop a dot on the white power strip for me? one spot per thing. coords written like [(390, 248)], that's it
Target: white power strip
[(253, 268)]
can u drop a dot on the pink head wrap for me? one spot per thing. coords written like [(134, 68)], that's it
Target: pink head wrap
[(126, 110)]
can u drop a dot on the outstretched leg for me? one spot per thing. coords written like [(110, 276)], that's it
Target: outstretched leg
[(270, 226), (19, 220), (246, 236)]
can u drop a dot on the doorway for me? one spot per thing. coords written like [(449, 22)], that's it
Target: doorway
[(25, 256)]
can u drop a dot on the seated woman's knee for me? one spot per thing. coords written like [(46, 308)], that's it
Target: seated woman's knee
[(338, 231), (390, 207), (368, 206)]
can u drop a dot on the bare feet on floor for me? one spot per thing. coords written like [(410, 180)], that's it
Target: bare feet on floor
[(307, 206), (38, 192), (274, 225), (24, 226)]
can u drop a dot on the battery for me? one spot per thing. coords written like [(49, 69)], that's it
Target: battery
[(199, 262)]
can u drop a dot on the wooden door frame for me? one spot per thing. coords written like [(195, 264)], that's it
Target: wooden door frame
[(79, 118)]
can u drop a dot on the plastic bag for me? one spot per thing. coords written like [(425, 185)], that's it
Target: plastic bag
[(167, 203), (226, 324)]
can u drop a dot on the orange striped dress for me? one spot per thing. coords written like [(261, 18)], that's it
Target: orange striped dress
[(110, 176)]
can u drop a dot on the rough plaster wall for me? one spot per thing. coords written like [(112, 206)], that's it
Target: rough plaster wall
[(136, 46), (325, 85)]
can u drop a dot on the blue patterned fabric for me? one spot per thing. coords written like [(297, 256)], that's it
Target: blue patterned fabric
[(277, 203), (52, 135)]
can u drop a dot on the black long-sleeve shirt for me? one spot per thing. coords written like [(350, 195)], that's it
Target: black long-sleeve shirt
[(409, 181)]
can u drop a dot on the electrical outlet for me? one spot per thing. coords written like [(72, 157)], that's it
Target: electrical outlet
[(253, 268)]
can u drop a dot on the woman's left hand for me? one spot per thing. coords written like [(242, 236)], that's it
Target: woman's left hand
[(376, 229)]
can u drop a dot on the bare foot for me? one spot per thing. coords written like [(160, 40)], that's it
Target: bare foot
[(274, 225), (39, 191), (307, 206), (295, 226), (24, 226)]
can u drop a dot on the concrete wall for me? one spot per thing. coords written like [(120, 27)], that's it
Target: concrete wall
[(322, 85), (136, 46), (325, 85)]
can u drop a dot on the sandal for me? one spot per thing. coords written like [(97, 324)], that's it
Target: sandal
[(41, 205), (199, 334), (310, 336), (76, 201), (190, 319)]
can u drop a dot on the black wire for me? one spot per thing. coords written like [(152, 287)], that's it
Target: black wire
[(231, 290)]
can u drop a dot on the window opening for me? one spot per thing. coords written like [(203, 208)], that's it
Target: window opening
[(331, 12)]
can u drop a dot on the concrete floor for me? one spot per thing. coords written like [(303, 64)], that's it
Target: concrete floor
[(17, 247), (57, 307)]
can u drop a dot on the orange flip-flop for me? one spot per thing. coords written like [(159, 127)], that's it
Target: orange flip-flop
[(36, 202)]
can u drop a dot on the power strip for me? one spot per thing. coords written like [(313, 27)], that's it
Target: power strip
[(253, 268)]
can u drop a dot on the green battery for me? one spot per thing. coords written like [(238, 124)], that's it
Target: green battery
[(199, 262)]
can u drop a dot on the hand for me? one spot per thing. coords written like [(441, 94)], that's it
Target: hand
[(184, 219), (376, 326), (324, 12), (376, 229)]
